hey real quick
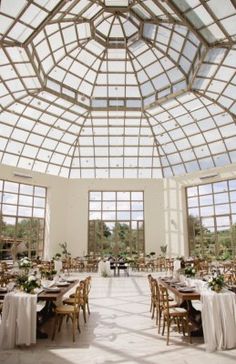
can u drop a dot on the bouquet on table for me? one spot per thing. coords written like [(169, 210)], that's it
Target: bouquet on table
[(25, 263), (190, 271), (27, 283), (216, 282)]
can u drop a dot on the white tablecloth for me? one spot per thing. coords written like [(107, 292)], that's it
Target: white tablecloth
[(18, 326), (219, 319), (104, 268)]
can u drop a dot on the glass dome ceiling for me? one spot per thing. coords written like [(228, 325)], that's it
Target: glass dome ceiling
[(117, 89)]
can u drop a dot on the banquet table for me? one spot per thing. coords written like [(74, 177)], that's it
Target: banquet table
[(218, 313), (18, 326), (19, 314)]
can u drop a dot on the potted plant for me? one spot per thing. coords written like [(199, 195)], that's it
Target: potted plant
[(163, 249)]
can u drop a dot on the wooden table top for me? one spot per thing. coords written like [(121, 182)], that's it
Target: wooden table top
[(184, 296), (54, 296), (50, 296)]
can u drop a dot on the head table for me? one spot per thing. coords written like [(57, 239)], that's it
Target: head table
[(19, 314), (218, 312)]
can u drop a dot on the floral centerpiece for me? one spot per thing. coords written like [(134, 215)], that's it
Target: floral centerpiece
[(190, 271), (216, 282), (27, 283), (25, 263), (48, 273)]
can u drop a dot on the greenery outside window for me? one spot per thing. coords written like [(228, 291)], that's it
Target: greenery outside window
[(22, 219), (212, 219), (116, 223)]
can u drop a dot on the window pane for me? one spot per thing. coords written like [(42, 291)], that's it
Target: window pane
[(123, 196), (95, 196), (206, 200), (221, 198), (123, 205), (10, 186), (26, 200), (109, 205), (107, 215), (9, 198), (109, 196), (95, 205), (123, 215), (192, 191), (26, 189), (205, 189), (137, 196), (220, 186), (95, 215), (137, 206)]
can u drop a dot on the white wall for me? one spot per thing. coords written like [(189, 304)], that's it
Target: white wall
[(77, 219), (165, 209)]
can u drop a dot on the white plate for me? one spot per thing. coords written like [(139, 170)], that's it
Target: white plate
[(186, 290), (71, 280), (63, 284), (52, 289)]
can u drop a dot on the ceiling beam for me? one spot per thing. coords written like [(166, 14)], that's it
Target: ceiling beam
[(201, 94), (57, 8), (188, 24)]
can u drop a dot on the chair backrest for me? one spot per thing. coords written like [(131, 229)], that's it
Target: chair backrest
[(78, 295), (164, 298), (149, 277), (155, 290), (87, 282)]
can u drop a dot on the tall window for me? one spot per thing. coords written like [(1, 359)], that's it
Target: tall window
[(212, 219), (116, 223), (22, 219)]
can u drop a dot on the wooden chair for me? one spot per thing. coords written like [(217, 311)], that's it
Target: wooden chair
[(85, 299), (149, 277), (69, 311), (157, 304), (85, 286), (171, 314)]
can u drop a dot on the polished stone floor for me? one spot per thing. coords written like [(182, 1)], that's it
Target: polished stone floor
[(119, 331)]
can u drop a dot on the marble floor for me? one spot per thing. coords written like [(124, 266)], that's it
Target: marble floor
[(119, 331)]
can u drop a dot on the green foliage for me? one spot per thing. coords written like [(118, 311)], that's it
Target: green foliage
[(27, 283), (190, 271), (64, 248), (216, 282)]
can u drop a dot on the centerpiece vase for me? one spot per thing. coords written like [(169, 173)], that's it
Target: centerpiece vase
[(217, 288)]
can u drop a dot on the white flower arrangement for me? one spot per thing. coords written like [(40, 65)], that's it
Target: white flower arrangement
[(190, 271), (28, 283), (25, 263), (216, 282)]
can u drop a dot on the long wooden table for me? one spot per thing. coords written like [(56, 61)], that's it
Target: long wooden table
[(186, 299), (183, 296), (54, 296), (49, 295)]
